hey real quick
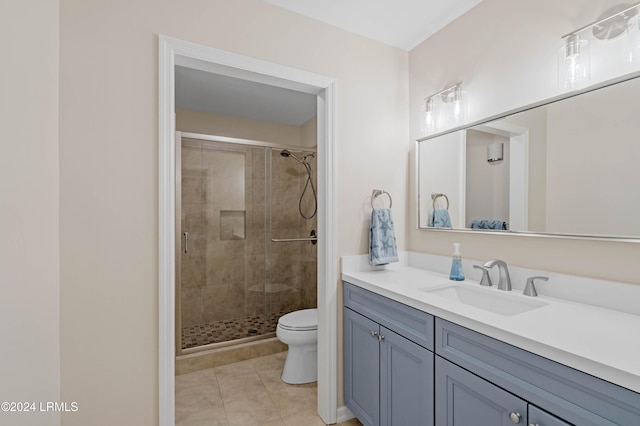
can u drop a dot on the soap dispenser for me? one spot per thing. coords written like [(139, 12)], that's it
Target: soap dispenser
[(457, 273)]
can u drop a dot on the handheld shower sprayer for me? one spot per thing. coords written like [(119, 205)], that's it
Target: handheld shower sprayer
[(286, 153)]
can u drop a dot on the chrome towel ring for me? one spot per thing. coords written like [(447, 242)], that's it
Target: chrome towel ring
[(435, 196), (376, 192)]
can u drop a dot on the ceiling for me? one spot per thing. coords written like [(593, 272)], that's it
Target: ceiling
[(400, 23), (219, 94)]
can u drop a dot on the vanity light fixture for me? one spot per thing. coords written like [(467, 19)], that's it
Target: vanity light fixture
[(574, 67), (429, 115), (453, 98), (457, 108), (634, 38), (574, 62)]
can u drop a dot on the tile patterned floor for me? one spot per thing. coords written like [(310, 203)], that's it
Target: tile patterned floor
[(224, 331), (246, 393)]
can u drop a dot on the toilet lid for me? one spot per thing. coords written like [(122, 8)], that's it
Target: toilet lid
[(305, 319)]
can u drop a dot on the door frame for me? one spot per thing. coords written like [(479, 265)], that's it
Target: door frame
[(518, 170), (172, 52)]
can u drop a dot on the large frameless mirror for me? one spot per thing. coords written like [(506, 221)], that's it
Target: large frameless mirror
[(567, 167)]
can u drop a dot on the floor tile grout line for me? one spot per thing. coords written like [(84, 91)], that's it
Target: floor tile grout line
[(224, 406)]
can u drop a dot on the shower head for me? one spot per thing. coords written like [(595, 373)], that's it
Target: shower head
[(287, 153)]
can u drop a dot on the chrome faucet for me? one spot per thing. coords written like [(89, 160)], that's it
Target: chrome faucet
[(486, 279), (504, 281)]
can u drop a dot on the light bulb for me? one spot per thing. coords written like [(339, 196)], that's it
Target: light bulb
[(574, 64), (429, 116), (633, 28), (456, 106)]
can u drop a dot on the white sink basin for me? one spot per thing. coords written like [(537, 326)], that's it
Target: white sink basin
[(488, 299)]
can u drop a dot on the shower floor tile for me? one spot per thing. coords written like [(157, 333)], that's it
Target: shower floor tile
[(226, 330)]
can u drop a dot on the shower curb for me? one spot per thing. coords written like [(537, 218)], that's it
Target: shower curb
[(227, 355)]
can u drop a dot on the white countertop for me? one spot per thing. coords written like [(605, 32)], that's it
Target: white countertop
[(603, 342)]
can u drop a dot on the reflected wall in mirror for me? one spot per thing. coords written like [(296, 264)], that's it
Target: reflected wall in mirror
[(569, 167)]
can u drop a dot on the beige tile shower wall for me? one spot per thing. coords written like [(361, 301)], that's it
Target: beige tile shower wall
[(227, 279), (293, 265), (257, 212), (214, 270), (511, 62), (291, 271)]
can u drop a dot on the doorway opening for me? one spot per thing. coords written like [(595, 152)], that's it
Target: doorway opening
[(172, 53)]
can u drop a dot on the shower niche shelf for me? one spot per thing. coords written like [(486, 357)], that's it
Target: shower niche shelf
[(233, 224)]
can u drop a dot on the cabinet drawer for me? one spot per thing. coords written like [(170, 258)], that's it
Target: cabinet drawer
[(567, 393), (538, 417), (408, 322)]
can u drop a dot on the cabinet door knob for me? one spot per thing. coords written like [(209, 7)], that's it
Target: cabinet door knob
[(374, 333), (515, 417), (380, 338)]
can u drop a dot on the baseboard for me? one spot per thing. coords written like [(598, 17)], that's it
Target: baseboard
[(344, 414)]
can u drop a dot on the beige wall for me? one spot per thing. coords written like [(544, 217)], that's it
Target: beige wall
[(510, 62), (188, 120), (309, 133), (108, 170), (29, 242), (487, 184), (600, 195), (442, 173), (535, 120), (108, 157)]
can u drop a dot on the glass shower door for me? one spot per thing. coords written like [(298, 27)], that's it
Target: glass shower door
[(222, 218)]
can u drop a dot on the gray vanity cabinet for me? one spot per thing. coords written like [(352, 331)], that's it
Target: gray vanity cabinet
[(538, 417), (402, 366), (388, 377), (406, 381), (571, 395), (361, 368), (464, 399)]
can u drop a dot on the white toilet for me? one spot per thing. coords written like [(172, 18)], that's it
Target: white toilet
[(299, 330)]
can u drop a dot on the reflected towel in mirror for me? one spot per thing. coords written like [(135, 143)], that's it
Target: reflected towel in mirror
[(382, 238), (489, 224), (440, 219)]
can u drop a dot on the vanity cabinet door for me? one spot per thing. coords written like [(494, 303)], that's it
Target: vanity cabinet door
[(362, 367), (538, 417), (406, 382), (464, 399)]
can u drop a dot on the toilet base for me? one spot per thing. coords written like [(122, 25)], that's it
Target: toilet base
[(301, 365)]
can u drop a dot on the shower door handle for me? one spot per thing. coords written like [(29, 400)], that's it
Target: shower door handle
[(186, 241)]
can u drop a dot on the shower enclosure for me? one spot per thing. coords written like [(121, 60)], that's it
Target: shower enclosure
[(241, 203)]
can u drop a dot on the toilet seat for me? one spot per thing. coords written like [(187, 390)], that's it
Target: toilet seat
[(303, 320)]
